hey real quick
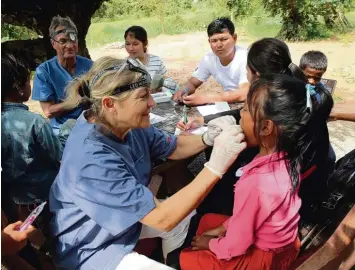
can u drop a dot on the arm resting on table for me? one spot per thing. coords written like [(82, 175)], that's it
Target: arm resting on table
[(237, 95), (192, 84)]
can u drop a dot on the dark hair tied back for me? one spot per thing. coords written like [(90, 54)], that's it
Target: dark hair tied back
[(271, 55), (283, 100), (14, 73)]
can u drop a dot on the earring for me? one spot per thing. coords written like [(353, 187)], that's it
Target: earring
[(21, 93)]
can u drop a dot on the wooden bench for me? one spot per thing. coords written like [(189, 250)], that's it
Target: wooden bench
[(338, 248)]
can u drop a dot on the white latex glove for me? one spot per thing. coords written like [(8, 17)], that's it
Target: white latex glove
[(216, 126), (226, 149)]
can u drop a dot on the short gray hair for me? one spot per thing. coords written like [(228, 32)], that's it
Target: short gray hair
[(314, 59), (61, 21)]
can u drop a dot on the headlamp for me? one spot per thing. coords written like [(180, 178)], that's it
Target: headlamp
[(132, 65), (69, 32)]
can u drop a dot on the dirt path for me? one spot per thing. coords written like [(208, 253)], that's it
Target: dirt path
[(182, 53)]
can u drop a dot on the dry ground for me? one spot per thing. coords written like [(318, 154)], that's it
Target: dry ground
[(182, 53)]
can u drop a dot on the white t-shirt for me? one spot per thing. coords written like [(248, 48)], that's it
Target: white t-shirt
[(228, 76)]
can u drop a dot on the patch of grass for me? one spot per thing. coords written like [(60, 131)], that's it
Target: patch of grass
[(108, 32), (259, 24), (351, 17), (337, 99), (346, 74), (260, 27), (349, 36), (346, 38), (254, 27)]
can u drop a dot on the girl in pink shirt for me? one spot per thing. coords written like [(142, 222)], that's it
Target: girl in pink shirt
[(278, 117)]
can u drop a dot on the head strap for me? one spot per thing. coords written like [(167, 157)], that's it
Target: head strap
[(132, 65), (69, 32)]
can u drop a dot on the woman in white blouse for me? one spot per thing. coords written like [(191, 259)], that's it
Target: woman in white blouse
[(136, 43)]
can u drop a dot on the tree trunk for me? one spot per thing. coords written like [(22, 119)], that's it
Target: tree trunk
[(33, 51), (37, 15)]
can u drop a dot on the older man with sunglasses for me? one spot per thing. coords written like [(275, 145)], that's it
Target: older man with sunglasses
[(53, 75)]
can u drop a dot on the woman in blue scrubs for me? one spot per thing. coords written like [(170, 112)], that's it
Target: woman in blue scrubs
[(100, 200)]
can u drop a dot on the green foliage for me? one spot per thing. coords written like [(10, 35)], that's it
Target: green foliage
[(259, 27), (13, 32), (116, 9), (236, 10), (351, 17), (219, 7), (306, 19), (240, 9), (109, 32), (288, 19), (333, 13)]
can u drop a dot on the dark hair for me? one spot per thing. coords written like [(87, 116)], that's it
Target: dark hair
[(139, 33), (271, 55), (314, 59), (14, 73), (283, 100), (219, 26)]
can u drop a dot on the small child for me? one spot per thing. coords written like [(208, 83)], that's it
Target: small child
[(314, 65), (279, 117), (30, 152)]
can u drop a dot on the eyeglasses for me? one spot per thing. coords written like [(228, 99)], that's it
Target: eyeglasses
[(64, 41), (71, 34), (132, 65)]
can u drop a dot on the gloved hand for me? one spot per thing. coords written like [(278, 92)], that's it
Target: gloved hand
[(216, 126), (226, 149)]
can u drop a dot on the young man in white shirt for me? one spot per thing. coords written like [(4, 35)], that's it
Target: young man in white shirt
[(226, 63)]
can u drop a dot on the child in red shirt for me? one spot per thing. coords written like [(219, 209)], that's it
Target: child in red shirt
[(262, 232)]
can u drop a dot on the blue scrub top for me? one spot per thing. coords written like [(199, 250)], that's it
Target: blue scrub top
[(101, 194), (49, 85)]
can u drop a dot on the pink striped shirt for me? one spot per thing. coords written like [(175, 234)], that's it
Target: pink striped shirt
[(265, 212)]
